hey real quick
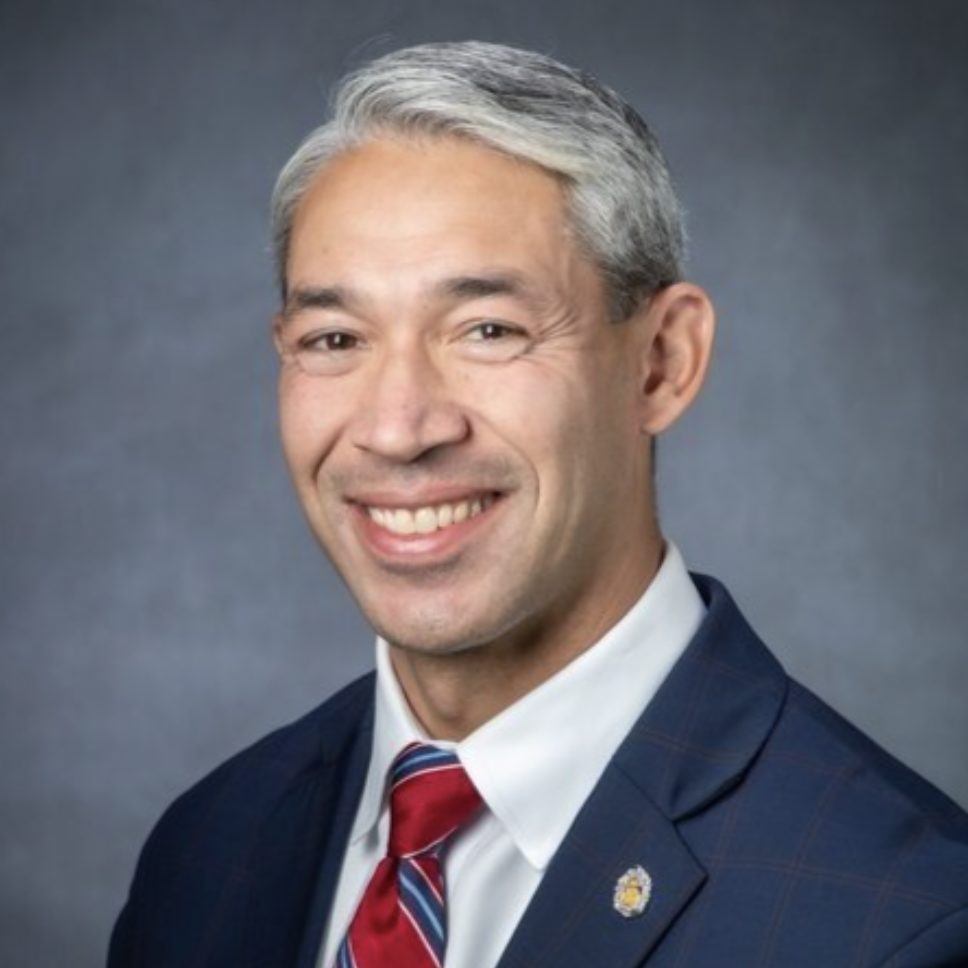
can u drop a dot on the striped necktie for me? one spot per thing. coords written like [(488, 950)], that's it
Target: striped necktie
[(401, 921)]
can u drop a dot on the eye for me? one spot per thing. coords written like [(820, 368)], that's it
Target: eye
[(494, 341), (332, 341), (325, 352), (492, 330)]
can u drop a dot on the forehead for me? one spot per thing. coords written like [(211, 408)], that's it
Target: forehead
[(432, 203)]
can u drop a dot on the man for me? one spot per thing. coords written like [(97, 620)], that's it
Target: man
[(572, 752)]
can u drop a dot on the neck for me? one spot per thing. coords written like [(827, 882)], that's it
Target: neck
[(452, 694)]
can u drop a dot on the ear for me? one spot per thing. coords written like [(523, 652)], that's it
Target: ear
[(677, 330), (277, 323)]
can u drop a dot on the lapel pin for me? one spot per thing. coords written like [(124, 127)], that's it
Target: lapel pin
[(632, 892)]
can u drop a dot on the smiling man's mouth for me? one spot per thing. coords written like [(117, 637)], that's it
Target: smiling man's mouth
[(431, 517)]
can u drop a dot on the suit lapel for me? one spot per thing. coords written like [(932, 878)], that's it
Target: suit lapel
[(571, 921), (694, 742), (348, 777)]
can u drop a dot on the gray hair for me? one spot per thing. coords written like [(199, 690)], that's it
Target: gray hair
[(623, 207)]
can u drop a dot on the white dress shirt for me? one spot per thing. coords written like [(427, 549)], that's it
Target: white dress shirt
[(534, 765)]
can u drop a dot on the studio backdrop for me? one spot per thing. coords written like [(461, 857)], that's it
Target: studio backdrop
[(162, 602)]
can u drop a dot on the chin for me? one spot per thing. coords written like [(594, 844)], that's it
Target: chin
[(444, 621), (425, 639), (431, 633)]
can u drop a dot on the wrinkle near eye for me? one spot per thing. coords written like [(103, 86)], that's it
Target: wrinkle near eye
[(567, 324)]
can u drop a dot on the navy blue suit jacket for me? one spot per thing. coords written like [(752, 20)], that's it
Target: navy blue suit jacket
[(775, 835)]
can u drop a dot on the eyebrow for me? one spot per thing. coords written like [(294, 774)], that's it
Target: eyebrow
[(488, 284), (462, 288), (316, 297)]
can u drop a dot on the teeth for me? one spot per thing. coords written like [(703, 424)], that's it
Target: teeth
[(401, 521), (426, 520)]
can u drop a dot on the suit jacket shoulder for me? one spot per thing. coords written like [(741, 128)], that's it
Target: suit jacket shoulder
[(233, 871), (861, 829), (774, 834)]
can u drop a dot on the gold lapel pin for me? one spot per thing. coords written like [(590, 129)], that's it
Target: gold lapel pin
[(632, 892)]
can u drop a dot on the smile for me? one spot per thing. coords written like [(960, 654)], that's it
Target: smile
[(431, 518)]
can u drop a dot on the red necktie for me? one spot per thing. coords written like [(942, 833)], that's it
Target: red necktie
[(401, 921)]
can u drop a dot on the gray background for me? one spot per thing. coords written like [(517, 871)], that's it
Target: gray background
[(162, 603)]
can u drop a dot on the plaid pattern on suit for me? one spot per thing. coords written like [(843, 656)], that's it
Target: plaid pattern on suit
[(775, 835)]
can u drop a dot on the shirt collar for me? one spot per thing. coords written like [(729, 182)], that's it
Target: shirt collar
[(393, 728), (538, 744)]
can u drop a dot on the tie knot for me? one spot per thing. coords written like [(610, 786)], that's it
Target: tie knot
[(430, 797)]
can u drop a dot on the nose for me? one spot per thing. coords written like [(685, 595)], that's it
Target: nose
[(406, 409)]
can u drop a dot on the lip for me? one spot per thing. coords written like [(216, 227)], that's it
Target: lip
[(421, 549)]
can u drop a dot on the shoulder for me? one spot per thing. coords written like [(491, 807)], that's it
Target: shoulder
[(844, 826), (241, 849), (813, 735), (809, 821), (871, 803), (236, 795), (806, 747)]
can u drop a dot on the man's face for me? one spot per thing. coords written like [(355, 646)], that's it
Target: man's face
[(459, 416)]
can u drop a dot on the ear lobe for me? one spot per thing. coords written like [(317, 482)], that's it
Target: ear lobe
[(680, 325)]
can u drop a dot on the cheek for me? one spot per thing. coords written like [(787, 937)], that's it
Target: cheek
[(577, 429), (544, 417), (526, 407), (308, 421)]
